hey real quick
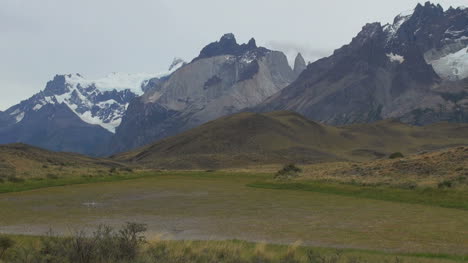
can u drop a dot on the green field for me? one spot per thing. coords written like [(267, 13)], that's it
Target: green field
[(222, 206)]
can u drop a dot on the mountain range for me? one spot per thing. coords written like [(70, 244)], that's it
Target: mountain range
[(414, 70)]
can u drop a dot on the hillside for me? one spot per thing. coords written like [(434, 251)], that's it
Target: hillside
[(443, 168), (21, 160), (279, 137)]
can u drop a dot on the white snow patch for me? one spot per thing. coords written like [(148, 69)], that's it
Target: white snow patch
[(396, 58), (122, 81), (107, 103), (15, 112), (19, 117), (89, 118), (453, 66), (37, 107)]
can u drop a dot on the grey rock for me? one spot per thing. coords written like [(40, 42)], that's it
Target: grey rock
[(226, 78), (385, 72)]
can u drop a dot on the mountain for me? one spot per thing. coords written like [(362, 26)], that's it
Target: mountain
[(413, 70), (247, 139), (225, 78), (73, 113)]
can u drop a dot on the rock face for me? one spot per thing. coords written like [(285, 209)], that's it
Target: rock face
[(299, 64), (225, 78), (413, 70)]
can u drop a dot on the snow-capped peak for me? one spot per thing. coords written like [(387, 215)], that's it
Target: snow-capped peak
[(101, 101), (115, 81)]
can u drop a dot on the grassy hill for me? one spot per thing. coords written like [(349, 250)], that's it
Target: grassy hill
[(24, 161), (443, 169), (247, 139)]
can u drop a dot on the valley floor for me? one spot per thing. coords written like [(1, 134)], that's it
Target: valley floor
[(221, 206)]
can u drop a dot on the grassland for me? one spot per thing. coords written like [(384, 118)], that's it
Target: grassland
[(221, 206), (169, 251)]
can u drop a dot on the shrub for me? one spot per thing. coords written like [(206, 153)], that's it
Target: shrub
[(112, 170), (408, 185), (445, 184), (396, 155), (15, 179), (5, 244), (288, 171), (52, 176), (126, 169), (129, 240), (45, 166)]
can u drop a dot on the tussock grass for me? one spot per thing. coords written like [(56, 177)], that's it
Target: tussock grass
[(107, 245)]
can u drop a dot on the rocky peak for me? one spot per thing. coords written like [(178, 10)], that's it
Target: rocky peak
[(228, 45), (429, 7), (426, 12), (299, 64), (57, 86), (252, 43), (369, 33)]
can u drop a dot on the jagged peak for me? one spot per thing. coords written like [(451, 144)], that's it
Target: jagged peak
[(368, 31), (228, 37), (252, 43), (428, 8), (228, 45), (299, 64)]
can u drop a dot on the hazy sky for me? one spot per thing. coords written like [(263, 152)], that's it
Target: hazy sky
[(41, 38)]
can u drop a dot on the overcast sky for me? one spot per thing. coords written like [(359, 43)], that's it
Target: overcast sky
[(41, 38)]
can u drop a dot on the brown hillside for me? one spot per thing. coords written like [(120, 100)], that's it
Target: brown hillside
[(280, 137)]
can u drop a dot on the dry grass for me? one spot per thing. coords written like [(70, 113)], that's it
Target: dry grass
[(219, 206)]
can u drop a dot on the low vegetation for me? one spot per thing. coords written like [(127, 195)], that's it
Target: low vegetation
[(396, 155), (289, 171), (128, 244)]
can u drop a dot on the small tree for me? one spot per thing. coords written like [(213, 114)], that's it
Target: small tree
[(288, 171)]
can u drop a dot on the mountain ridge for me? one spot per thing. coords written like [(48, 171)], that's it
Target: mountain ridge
[(388, 71)]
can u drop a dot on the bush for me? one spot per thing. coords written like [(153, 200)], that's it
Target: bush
[(288, 171), (5, 244), (52, 176), (126, 169), (396, 155), (130, 238), (15, 179), (446, 184)]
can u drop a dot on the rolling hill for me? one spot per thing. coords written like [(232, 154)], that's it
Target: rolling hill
[(21, 160), (247, 139)]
